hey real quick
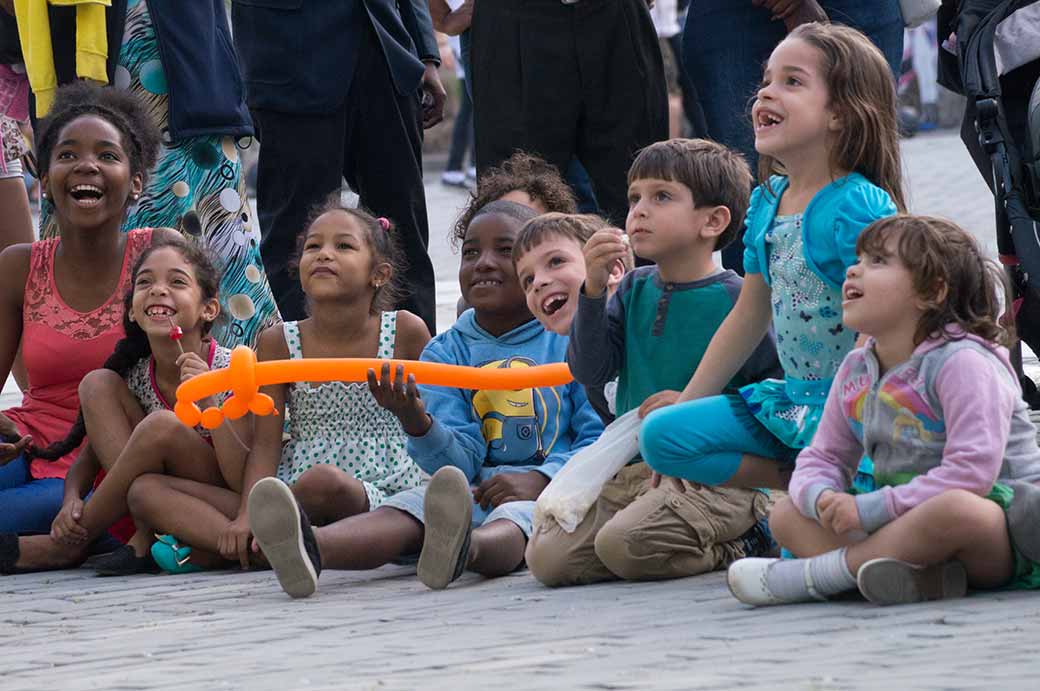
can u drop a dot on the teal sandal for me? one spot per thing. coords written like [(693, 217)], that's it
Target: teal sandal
[(172, 557)]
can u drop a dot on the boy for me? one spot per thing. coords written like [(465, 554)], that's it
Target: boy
[(687, 199), (491, 452), (551, 269)]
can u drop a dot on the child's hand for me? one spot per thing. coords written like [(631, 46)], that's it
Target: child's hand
[(233, 544), (601, 252), (838, 512), (656, 478), (12, 443), (191, 364), (66, 528), (506, 487), (658, 400), (401, 399)]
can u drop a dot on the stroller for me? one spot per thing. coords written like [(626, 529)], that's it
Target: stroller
[(990, 52)]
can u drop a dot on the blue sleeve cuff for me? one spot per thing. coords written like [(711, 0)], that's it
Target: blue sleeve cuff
[(434, 443), (873, 511), (552, 465), (809, 499)]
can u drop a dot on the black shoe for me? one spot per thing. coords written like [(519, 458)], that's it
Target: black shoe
[(285, 535), (123, 562), (758, 541), (8, 553)]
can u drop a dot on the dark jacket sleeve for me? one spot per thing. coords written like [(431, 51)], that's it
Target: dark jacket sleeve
[(596, 349), (416, 17)]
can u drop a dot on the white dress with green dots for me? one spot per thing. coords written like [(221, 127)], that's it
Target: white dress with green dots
[(340, 424)]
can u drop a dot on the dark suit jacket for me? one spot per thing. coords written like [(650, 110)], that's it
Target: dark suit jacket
[(298, 55)]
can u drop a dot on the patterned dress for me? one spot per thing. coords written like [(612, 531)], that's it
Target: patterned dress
[(340, 424), (810, 338), (197, 188)]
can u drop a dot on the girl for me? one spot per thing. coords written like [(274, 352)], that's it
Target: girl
[(825, 125), (127, 417), (60, 298), (346, 455), (934, 400)]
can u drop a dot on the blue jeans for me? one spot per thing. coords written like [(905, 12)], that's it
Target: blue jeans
[(703, 440), (27, 505), (725, 45)]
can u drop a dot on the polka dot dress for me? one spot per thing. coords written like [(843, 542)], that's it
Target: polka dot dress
[(341, 424)]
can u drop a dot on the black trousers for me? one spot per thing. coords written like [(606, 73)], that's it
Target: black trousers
[(560, 81), (374, 140)]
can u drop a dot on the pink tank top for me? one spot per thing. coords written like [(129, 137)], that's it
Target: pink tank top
[(61, 345)]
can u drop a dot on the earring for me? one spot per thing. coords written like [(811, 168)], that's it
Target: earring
[(135, 197)]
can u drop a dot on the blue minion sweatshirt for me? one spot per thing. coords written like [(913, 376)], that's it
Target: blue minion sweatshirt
[(486, 432)]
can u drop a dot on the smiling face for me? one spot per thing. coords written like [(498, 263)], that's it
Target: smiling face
[(486, 274), (90, 179), (551, 275), (662, 218), (878, 296), (336, 261), (791, 114), (166, 293)]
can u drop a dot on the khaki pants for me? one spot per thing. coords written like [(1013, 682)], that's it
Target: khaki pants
[(635, 532)]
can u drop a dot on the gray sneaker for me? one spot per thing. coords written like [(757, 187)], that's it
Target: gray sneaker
[(894, 582), (284, 533), (448, 516)]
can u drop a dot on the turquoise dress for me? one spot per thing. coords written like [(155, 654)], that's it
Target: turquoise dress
[(811, 341)]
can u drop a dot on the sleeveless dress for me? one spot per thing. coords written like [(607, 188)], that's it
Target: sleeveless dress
[(340, 424), (61, 345), (142, 384), (197, 188)]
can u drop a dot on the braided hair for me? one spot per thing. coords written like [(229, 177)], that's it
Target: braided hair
[(134, 346)]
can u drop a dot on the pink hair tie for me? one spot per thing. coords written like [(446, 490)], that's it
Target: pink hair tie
[(384, 223)]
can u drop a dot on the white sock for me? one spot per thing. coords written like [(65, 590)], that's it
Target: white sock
[(829, 573)]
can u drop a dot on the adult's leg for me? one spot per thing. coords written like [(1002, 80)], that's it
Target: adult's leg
[(31, 506), (526, 88), (382, 154), (624, 97), (881, 21), (713, 441), (461, 131), (300, 164), (725, 45)]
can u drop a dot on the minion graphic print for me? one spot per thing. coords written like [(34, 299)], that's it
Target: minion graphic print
[(517, 425)]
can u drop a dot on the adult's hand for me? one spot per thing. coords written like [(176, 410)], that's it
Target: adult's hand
[(12, 443), (433, 97)]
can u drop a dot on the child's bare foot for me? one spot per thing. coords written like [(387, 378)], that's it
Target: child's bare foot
[(37, 553)]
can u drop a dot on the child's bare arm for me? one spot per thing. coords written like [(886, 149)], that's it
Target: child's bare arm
[(739, 335)]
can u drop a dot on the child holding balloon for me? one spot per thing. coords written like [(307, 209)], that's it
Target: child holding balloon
[(193, 477), (491, 452)]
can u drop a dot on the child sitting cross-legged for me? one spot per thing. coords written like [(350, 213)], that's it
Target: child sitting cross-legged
[(934, 400), (491, 452), (687, 199)]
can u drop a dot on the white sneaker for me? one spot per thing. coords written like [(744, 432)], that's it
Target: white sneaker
[(453, 178), (748, 582)]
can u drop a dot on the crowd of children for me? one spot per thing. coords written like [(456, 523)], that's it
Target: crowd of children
[(860, 365)]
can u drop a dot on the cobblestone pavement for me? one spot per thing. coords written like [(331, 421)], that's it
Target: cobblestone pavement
[(384, 630)]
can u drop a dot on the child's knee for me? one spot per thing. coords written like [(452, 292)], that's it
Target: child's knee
[(657, 442), (782, 517), (161, 427), (963, 513), (550, 557), (614, 548), (138, 497), (326, 485), (99, 384)]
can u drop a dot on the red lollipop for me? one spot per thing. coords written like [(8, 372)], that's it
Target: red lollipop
[(176, 334)]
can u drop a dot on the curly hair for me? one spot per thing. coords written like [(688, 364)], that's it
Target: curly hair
[(958, 285), (520, 172), (382, 242), (141, 138), (134, 347)]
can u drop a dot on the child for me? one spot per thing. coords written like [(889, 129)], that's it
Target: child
[(346, 455), (491, 452), (688, 199), (133, 432), (934, 399), (62, 297), (551, 270), (825, 118)]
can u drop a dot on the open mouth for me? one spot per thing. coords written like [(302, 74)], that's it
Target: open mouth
[(86, 195), (851, 293), (767, 119), (554, 303), (159, 311)]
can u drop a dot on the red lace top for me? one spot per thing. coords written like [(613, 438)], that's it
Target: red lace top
[(60, 345)]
